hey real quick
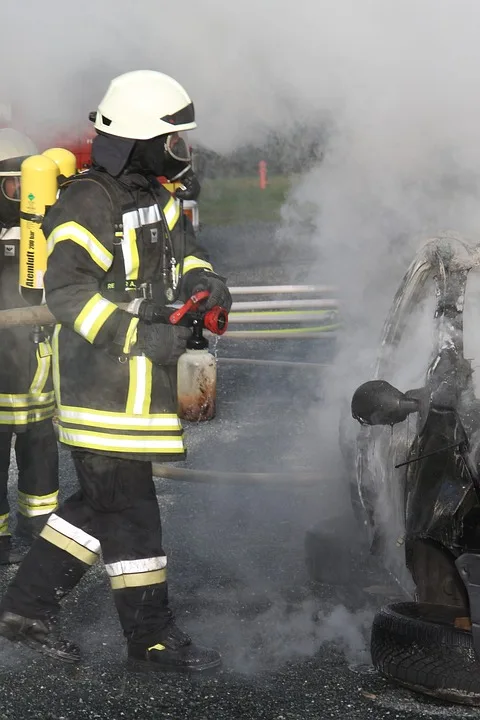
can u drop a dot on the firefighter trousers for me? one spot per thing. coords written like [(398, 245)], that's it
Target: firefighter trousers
[(115, 512), (36, 453)]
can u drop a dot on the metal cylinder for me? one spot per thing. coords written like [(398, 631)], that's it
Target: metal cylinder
[(38, 192)]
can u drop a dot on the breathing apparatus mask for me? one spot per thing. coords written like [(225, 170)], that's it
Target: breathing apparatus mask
[(165, 155), (10, 175)]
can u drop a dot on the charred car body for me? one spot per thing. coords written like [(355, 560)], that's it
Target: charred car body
[(417, 483)]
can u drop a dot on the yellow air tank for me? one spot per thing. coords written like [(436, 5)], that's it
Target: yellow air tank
[(38, 191), (65, 160)]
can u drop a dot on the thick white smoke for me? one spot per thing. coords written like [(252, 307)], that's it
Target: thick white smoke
[(397, 81)]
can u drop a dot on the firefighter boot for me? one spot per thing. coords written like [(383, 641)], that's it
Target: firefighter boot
[(29, 528), (174, 652), (10, 554), (39, 635)]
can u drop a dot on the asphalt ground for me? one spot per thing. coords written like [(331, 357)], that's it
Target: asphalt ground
[(292, 649)]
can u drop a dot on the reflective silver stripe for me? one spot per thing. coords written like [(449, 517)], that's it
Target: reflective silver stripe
[(93, 316), (74, 533), (36, 505), (149, 215), (22, 417), (22, 401), (36, 512), (141, 369), (127, 567)]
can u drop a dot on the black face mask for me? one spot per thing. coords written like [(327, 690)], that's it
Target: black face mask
[(111, 153), (145, 157), (148, 157)]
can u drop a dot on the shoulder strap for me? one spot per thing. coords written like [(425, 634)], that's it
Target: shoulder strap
[(117, 201)]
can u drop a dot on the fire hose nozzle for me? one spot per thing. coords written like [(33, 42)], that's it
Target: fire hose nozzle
[(214, 320)]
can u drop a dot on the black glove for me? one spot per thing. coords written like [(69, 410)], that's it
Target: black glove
[(197, 280), (163, 344), (191, 187)]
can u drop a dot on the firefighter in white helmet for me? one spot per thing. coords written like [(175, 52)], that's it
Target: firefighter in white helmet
[(26, 392), (115, 235)]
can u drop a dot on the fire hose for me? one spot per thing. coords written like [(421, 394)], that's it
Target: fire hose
[(216, 321), (213, 477)]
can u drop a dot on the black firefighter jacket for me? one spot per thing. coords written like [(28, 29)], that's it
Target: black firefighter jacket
[(120, 405), (26, 392)]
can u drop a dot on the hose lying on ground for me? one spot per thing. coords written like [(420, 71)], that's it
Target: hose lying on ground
[(215, 477), (270, 363)]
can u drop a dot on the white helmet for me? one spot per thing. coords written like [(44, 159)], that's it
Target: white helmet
[(15, 145), (14, 148), (143, 104)]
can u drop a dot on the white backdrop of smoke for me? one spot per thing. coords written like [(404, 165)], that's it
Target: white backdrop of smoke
[(401, 81), (398, 81)]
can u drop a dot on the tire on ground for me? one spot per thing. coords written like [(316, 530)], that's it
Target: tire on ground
[(418, 646)]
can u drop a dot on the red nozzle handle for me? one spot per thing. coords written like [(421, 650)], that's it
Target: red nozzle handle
[(214, 320), (191, 304)]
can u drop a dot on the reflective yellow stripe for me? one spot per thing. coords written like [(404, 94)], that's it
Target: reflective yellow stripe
[(37, 499), (81, 236), (140, 386), (73, 540), (25, 401), (155, 577), (134, 262), (191, 263), (93, 316), (55, 364), (131, 335), (121, 443), (4, 524), (70, 546), (118, 421), (132, 221), (29, 512), (43, 354), (23, 417), (35, 505), (172, 212)]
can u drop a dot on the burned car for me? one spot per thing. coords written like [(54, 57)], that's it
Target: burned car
[(417, 481)]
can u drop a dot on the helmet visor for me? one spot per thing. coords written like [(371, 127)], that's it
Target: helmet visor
[(10, 187), (177, 147)]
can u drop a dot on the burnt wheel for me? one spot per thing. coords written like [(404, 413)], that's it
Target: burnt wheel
[(424, 648)]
